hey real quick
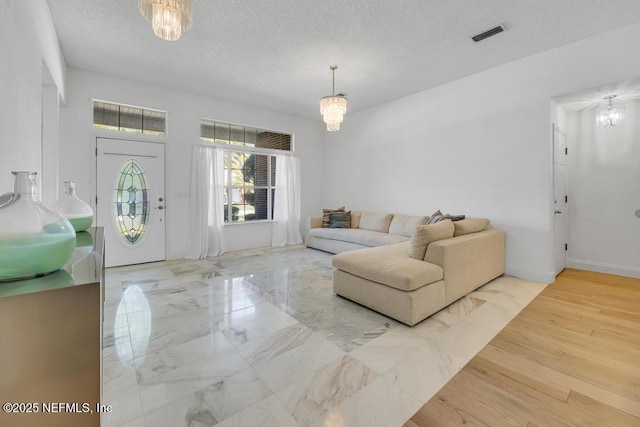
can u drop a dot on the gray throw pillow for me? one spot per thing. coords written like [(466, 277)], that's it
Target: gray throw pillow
[(436, 217), (340, 220)]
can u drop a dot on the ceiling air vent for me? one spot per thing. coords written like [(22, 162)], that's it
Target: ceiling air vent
[(492, 32)]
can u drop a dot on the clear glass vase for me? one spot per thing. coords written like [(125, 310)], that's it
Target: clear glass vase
[(34, 240), (79, 213)]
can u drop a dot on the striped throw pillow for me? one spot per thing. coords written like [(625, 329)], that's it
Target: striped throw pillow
[(326, 213)]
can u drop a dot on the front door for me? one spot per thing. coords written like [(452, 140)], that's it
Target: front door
[(560, 229), (130, 203)]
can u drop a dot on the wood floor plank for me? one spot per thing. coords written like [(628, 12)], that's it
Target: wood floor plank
[(520, 399), (598, 303), (523, 370), (572, 357), (444, 412), (602, 278), (606, 376), (601, 411), (567, 340), (466, 402), (545, 317)]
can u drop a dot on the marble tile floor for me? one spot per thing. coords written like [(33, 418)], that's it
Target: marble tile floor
[(257, 338)]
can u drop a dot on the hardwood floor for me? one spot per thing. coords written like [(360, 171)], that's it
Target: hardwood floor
[(570, 358)]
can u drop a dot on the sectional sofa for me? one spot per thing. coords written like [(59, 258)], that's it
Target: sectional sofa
[(405, 268)]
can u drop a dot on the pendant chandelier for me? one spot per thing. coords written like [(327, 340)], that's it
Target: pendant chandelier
[(333, 107), (169, 18), (611, 115)]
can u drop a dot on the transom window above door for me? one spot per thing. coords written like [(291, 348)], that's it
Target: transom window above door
[(127, 118), (231, 134)]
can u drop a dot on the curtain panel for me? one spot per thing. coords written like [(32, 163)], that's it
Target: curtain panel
[(286, 222), (206, 206)]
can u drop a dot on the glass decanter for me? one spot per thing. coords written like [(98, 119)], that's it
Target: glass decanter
[(34, 240), (79, 213)]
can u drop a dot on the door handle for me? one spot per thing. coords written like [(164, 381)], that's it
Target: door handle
[(557, 212), (160, 207)]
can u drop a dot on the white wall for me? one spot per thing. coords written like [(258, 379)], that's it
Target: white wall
[(50, 147), (20, 103), (27, 39), (604, 193), (478, 146), (77, 141)]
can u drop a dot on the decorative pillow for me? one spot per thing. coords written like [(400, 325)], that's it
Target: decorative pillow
[(439, 216), (327, 212), (436, 217), (340, 220), (470, 225), (375, 222), (428, 233), (404, 225)]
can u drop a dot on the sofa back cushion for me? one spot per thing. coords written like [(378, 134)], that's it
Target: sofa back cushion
[(470, 225), (425, 234), (375, 222), (355, 219), (405, 225)]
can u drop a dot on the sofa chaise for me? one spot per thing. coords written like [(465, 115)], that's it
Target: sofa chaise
[(414, 272)]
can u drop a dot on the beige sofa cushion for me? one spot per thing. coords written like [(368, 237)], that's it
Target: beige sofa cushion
[(405, 225), (425, 234), (375, 221), (389, 265), (470, 225), (355, 219), (408, 307), (360, 237)]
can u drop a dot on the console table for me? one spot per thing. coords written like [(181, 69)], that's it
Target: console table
[(51, 342)]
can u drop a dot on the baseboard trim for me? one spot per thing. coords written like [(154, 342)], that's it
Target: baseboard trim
[(601, 267), (534, 276)]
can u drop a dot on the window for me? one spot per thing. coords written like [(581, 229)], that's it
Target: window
[(125, 118), (229, 134), (131, 201), (249, 180), (249, 168)]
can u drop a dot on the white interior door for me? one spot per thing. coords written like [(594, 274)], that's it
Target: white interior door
[(560, 228), (130, 203)]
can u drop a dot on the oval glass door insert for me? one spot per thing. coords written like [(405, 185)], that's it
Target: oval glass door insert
[(131, 202)]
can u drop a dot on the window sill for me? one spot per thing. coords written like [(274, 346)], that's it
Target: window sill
[(256, 221)]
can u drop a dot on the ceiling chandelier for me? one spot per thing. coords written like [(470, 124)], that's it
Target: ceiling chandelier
[(169, 18), (611, 115), (333, 107)]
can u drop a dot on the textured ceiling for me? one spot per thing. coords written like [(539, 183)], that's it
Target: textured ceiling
[(594, 97), (276, 54)]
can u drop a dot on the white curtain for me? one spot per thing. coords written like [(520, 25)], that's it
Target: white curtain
[(286, 223), (206, 207)]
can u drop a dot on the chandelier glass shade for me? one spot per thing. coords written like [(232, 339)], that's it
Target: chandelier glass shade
[(611, 115), (169, 18), (334, 107)]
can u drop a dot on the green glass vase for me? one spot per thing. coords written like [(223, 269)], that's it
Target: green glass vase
[(79, 213), (34, 240)]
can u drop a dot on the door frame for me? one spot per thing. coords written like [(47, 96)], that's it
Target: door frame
[(555, 128), (116, 135)]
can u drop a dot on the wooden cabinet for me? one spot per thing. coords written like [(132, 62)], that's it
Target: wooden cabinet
[(51, 342)]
